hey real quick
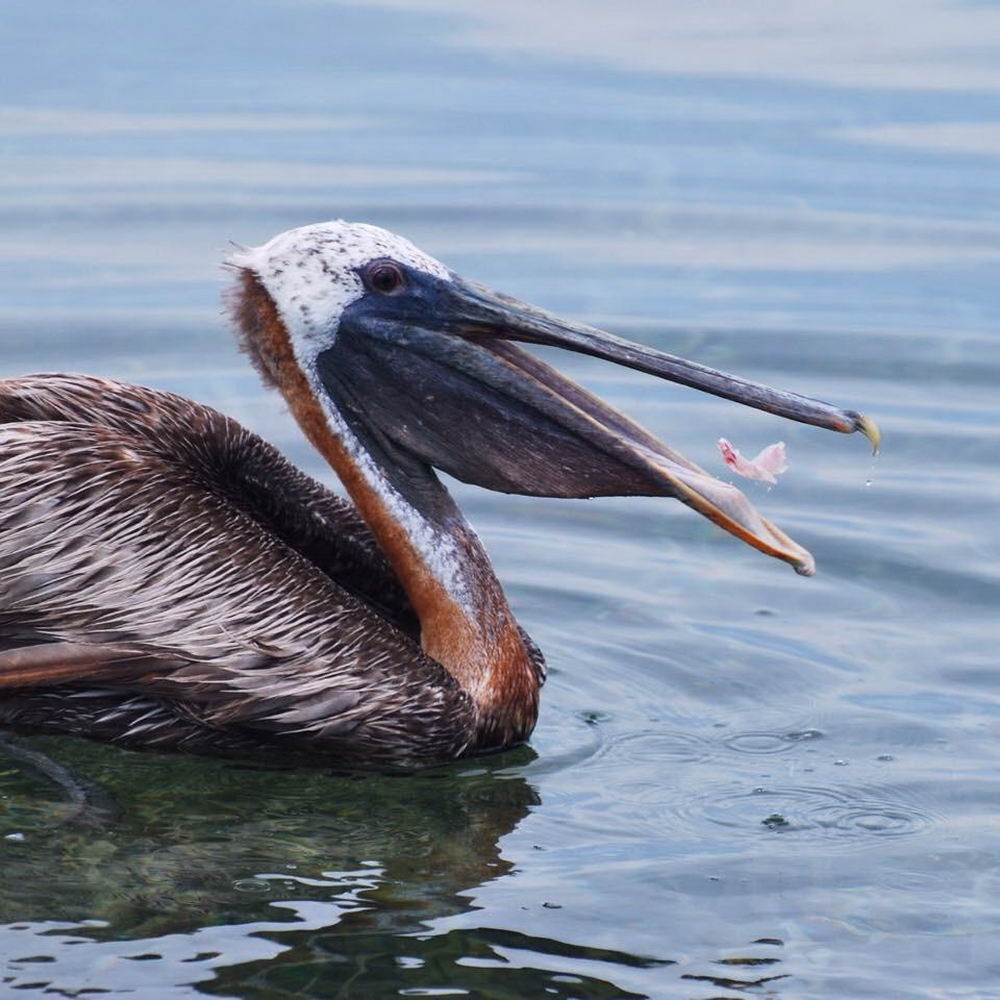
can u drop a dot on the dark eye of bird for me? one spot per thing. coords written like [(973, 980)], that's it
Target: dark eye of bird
[(385, 277)]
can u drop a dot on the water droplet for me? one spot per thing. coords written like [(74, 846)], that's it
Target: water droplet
[(840, 762), (871, 474), (16, 836), (885, 756)]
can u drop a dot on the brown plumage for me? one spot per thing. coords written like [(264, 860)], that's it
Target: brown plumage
[(168, 580), (189, 589)]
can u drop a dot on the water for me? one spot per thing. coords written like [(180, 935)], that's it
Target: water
[(743, 783)]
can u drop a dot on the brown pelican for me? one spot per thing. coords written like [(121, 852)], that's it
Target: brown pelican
[(168, 580)]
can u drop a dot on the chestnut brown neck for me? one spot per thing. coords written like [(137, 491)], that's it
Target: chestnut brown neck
[(465, 621)]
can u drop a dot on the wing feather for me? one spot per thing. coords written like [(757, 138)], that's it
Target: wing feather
[(129, 566)]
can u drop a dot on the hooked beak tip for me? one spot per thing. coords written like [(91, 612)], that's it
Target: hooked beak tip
[(869, 428)]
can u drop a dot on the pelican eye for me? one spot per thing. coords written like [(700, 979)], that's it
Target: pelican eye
[(385, 277)]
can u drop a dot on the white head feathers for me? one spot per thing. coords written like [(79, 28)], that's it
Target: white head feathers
[(311, 274)]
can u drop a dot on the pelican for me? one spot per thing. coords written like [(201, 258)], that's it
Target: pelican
[(169, 581)]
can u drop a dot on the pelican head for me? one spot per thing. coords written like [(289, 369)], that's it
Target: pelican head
[(418, 366)]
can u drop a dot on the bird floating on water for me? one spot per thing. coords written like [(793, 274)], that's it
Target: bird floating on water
[(169, 581)]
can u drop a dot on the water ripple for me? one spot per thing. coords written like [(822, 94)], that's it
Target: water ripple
[(661, 747), (845, 816), (766, 743), (648, 748)]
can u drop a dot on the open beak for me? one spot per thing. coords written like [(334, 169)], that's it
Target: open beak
[(475, 405)]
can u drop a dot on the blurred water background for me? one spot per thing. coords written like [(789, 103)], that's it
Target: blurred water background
[(743, 783)]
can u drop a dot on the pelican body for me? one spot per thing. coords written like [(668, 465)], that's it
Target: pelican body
[(169, 581)]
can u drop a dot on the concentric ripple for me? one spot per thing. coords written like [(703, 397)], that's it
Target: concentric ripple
[(672, 746), (768, 742), (846, 816), (686, 746)]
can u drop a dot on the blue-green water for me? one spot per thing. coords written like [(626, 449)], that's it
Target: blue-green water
[(743, 783)]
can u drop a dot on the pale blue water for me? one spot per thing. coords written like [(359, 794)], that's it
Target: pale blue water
[(743, 783)]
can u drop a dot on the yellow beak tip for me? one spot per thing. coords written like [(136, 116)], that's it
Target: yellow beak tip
[(869, 428)]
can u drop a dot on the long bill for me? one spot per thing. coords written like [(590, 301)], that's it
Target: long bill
[(481, 408), (491, 313)]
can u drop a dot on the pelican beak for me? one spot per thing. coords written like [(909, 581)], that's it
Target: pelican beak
[(438, 378), (490, 314)]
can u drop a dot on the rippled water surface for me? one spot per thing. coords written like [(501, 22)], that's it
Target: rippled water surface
[(743, 783)]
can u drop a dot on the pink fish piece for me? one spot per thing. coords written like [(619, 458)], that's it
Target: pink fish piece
[(769, 463)]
